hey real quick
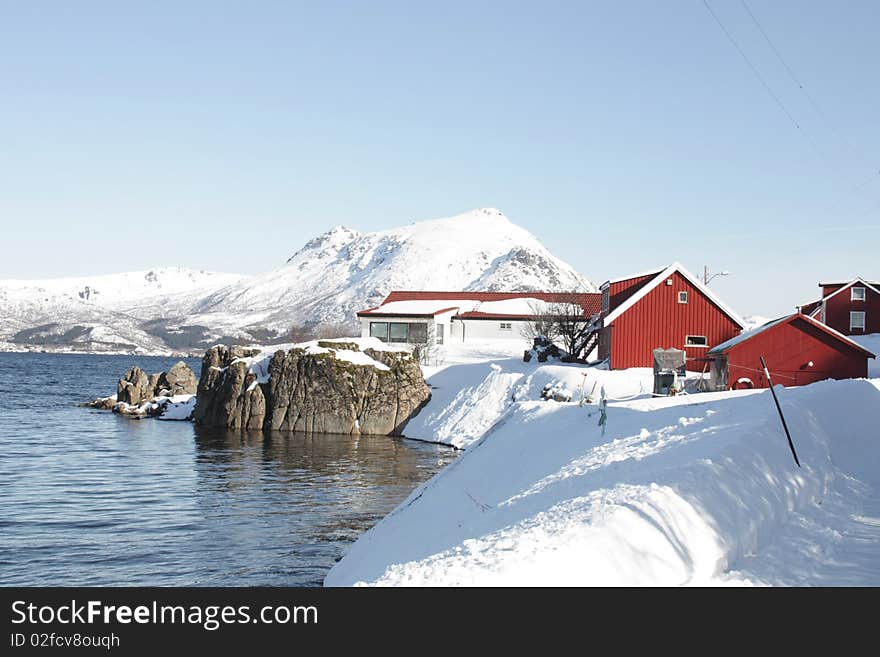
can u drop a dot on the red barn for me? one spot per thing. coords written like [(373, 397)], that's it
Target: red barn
[(798, 350), (849, 307), (663, 308)]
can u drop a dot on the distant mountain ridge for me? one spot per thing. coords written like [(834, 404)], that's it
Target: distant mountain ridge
[(324, 283)]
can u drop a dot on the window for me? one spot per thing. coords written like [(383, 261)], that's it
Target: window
[(857, 321), (418, 333), (857, 294), (696, 341), (398, 331), (606, 299), (379, 330), (682, 296), (439, 333), (506, 326)]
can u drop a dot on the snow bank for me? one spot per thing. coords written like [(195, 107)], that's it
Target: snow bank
[(178, 407), (694, 490), (476, 388)]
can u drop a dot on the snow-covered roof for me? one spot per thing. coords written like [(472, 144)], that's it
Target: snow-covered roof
[(421, 307), (748, 335), (847, 282), (476, 305), (662, 276)]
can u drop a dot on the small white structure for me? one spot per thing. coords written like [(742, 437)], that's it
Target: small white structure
[(430, 320)]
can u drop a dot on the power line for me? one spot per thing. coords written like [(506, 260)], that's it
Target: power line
[(800, 85), (766, 86)]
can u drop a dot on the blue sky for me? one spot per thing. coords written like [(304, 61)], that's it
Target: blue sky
[(626, 135)]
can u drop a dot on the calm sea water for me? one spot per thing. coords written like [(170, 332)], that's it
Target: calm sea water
[(92, 498)]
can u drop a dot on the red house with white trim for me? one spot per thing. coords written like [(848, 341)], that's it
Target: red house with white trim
[(849, 307), (798, 350), (665, 308)]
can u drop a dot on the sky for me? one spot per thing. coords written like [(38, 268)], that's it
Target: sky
[(625, 135)]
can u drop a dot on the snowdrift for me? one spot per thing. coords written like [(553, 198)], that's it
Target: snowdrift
[(692, 490)]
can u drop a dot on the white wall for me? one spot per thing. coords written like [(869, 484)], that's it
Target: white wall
[(474, 329), (488, 329)]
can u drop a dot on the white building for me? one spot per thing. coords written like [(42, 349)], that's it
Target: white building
[(433, 319)]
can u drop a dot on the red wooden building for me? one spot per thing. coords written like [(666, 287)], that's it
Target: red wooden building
[(798, 350), (849, 307), (663, 308)]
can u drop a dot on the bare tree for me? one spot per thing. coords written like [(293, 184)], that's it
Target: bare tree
[(564, 321), (541, 325)]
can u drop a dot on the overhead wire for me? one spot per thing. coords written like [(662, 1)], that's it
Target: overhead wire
[(874, 176), (798, 82)]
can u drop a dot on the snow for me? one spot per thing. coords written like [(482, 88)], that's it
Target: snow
[(478, 250), (754, 321), (480, 382), (178, 407), (524, 306), (694, 489), (326, 282), (426, 306), (258, 364)]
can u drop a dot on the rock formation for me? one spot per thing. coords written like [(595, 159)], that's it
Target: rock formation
[(136, 387), (140, 394), (319, 390)]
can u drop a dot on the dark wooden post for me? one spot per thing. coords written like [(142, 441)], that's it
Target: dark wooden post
[(779, 409)]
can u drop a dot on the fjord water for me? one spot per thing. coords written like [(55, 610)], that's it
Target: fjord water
[(91, 498)]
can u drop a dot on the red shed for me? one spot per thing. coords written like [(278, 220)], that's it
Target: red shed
[(662, 308), (849, 307), (798, 350)]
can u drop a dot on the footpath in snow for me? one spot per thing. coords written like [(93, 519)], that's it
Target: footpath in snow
[(695, 489)]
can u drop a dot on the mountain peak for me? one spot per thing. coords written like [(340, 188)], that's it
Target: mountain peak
[(333, 239)]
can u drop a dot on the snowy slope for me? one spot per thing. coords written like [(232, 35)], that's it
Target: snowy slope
[(698, 489), (335, 275)]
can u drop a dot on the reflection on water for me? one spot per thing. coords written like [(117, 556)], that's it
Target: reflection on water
[(90, 498)]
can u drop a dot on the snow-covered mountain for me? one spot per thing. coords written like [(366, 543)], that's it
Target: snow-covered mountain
[(324, 283), (107, 313)]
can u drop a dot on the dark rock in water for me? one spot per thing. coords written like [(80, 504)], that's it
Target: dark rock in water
[(316, 392), (134, 388), (102, 403), (179, 380), (137, 388)]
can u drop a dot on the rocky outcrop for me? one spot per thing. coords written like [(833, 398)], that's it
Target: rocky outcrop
[(137, 388), (141, 395), (322, 390)]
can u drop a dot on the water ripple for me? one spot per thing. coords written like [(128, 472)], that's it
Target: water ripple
[(90, 498)]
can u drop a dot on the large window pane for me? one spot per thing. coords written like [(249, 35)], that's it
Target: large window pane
[(418, 333), (379, 330), (397, 332)]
